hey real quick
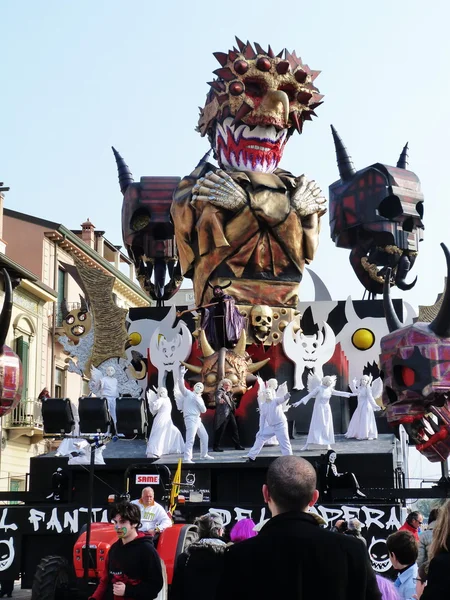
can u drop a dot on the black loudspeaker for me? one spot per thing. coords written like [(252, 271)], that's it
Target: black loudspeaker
[(94, 415), (57, 416), (131, 418)]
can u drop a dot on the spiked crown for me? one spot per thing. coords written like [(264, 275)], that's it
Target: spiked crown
[(246, 75)]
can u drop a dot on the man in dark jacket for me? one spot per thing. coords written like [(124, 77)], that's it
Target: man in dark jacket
[(133, 569), (224, 416), (292, 557)]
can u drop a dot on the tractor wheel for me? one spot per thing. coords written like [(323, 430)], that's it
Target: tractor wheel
[(52, 579)]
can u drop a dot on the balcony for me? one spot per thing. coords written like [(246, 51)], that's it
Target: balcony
[(25, 419)]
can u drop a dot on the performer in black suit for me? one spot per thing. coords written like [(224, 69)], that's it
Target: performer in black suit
[(224, 416)]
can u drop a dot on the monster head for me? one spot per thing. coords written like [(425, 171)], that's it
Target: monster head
[(255, 104), (379, 555), (415, 362), (377, 213), (235, 365), (77, 322)]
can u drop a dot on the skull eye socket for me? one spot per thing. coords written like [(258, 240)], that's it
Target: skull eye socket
[(255, 88), (404, 375), (258, 319)]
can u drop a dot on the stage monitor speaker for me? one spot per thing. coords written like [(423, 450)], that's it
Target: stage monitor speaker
[(94, 415), (57, 416), (131, 418)]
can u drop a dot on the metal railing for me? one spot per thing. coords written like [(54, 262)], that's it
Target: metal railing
[(28, 413)]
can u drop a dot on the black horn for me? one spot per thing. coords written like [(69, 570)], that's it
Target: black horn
[(5, 317), (344, 161), (83, 304), (392, 320), (441, 323), (125, 175), (402, 162), (64, 309)]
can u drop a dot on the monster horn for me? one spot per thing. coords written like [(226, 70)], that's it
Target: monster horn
[(252, 367), (64, 308), (206, 346), (344, 161), (441, 323), (5, 317), (125, 175), (392, 319), (83, 304), (224, 287), (239, 349), (193, 368), (402, 162)]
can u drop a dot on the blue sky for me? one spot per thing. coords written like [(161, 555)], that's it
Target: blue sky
[(80, 76)]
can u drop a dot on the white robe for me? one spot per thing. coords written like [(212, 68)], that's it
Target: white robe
[(164, 438), (362, 425), (321, 430)]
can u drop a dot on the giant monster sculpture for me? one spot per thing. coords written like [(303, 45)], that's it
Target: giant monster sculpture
[(11, 376), (248, 221), (415, 362), (377, 213)]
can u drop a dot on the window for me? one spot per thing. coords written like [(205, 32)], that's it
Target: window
[(23, 352), (59, 382), (61, 295)]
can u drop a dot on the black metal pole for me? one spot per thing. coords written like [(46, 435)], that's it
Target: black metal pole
[(444, 469), (87, 554)]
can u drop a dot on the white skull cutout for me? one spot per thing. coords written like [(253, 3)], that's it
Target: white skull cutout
[(261, 321)]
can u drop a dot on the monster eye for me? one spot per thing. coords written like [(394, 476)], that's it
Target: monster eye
[(289, 90), (233, 378), (211, 378), (363, 339), (82, 316), (407, 375), (254, 88), (70, 319)]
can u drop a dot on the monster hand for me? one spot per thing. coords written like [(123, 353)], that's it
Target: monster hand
[(183, 371), (306, 199), (219, 189)]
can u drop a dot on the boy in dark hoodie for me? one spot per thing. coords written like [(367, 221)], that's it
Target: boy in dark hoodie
[(133, 570)]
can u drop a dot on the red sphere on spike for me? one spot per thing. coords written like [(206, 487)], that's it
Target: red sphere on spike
[(304, 97), (241, 67), (236, 88), (263, 64), (283, 67), (301, 76)]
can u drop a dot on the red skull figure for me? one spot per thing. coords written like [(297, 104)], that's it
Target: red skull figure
[(415, 361), (10, 366)]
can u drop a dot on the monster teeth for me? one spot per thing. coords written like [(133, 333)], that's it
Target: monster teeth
[(255, 147)]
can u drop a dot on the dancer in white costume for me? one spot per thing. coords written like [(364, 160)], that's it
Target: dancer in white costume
[(362, 425), (192, 406), (321, 431), (164, 438), (272, 402)]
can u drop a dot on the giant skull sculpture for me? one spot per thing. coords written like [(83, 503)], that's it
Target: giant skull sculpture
[(261, 319), (377, 213), (415, 362)]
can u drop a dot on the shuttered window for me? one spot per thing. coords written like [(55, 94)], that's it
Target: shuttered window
[(23, 352)]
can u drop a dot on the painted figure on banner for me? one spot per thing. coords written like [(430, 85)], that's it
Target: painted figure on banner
[(164, 438), (191, 404), (247, 222), (362, 425), (321, 430), (308, 351), (273, 404)]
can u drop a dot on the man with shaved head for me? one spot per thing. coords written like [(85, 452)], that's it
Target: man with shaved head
[(154, 518), (292, 556)]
